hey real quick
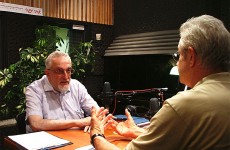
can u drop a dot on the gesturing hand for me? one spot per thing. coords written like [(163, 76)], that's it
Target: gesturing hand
[(98, 120), (127, 128)]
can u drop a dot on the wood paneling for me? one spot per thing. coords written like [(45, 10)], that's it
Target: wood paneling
[(95, 11), (158, 42)]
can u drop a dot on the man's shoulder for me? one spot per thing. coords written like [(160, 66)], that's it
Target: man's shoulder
[(75, 82), (38, 83), (185, 101), (182, 96)]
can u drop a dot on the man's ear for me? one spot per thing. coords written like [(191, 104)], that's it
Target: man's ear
[(46, 72), (191, 54)]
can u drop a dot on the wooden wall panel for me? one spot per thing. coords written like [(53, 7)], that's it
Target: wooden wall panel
[(95, 11)]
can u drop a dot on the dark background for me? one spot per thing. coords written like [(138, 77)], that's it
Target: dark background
[(130, 16), (123, 72), (152, 71)]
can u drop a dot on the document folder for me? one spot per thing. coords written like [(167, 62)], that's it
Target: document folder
[(38, 141)]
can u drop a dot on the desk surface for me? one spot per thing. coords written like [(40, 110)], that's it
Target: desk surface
[(78, 138)]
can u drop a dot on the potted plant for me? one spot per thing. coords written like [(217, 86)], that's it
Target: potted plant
[(83, 58)]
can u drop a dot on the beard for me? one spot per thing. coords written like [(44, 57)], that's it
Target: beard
[(63, 89)]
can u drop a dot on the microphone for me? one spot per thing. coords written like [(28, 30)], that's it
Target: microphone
[(106, 95), (154, 106)]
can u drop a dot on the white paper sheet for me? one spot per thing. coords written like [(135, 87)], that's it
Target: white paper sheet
[(88, 147), (38, 140)]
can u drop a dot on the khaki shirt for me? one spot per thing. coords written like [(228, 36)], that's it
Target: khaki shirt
[(195, 119)]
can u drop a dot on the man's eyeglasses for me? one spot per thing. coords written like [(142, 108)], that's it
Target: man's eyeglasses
[(62, 71), (176, 56)]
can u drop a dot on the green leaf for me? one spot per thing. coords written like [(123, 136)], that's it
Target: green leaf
[(28, 57), (9, 76), (5, 71)]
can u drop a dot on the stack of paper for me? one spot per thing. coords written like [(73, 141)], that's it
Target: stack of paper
[(39, 140)]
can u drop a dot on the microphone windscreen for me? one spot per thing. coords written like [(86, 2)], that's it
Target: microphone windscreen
[(106, 94), (106, 87), (154, 106)]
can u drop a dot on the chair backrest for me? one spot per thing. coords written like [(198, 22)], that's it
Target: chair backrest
[(21, 123)]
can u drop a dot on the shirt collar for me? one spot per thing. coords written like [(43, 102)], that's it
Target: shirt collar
[(222, 76)]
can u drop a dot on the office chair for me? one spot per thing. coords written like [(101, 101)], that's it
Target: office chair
[(21, 123)]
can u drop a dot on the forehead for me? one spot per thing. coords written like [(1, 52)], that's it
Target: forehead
[(61, 62)]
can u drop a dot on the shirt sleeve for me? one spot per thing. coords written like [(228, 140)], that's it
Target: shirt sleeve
[(166, 130), (87, 102), (33, 101)]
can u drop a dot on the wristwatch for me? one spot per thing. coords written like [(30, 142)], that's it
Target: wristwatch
[(95, 135)]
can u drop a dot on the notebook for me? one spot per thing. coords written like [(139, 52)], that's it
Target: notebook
[(38, 141), (140, 121)]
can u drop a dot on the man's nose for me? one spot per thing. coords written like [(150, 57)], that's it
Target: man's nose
[(65, 74)]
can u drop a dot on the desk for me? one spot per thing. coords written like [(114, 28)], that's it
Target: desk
[(78, 138)]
